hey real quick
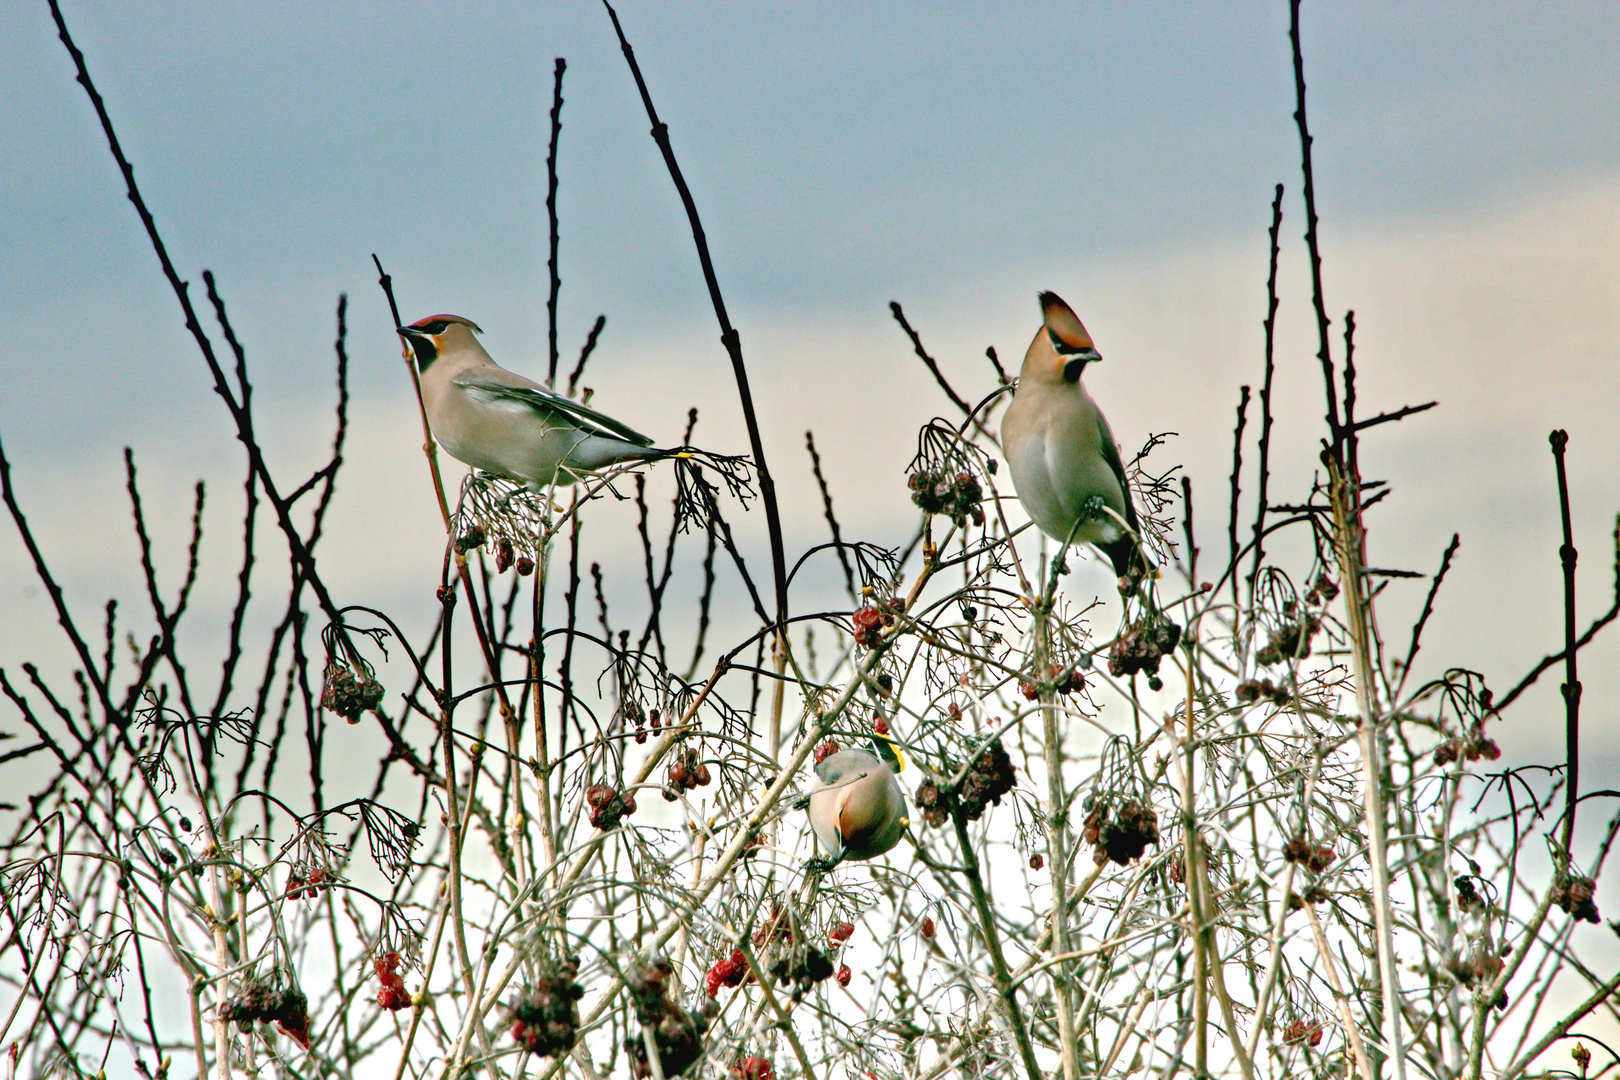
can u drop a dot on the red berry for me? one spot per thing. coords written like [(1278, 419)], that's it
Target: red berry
[(844, 975), (880, 725), (825, 751), (840, 933), (703, 776), (927, 926), (732, 969), (868, 627), (1036, 861)]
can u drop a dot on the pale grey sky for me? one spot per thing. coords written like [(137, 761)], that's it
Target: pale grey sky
[(955, 158)]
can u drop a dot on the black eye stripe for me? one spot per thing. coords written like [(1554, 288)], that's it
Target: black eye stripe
[(437, 326)]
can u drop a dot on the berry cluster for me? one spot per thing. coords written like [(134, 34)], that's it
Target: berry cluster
[(545, 1020), (804, 967), (1066, 680), (869, 623), (1300, 1033), (836, 937), (685, 773), (1141, 646), (1313, 896), (840, 934), (956, 495), (1574, 895), (776, 928), (825, 751), (262, 1001), (1478, 971), (1315, 859), (308, 885), (1252, 690), (1472, 748), (1324, 590), (633, 716), (1291, 641), (934, 804), (608, 807), (1121, 836), (752, 1067), (349, 696), (989, 778), (505, 554), (392, 996), (677, 1034), (729, 971)]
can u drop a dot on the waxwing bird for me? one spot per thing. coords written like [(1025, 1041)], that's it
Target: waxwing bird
[(1065, 464), (502, 423), (857, 810)]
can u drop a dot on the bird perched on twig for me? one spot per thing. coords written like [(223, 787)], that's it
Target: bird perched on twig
[(857, 810), (1064, 462), (502, 423)]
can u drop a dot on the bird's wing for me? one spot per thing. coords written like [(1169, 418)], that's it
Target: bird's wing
[(503, 385), (1110, 453), (843, 765)]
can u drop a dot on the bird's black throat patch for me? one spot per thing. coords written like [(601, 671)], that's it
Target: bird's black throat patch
[(424, 349)]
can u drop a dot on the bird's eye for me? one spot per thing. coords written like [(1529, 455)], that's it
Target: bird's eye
[(436, 327)]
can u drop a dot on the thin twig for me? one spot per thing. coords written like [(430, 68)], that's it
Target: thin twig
[(1324, 350), (1571, 688), (551, 216), (728, 334)]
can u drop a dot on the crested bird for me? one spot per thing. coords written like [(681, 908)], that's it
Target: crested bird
[(498, 421), (857, 810), (1064, 462)]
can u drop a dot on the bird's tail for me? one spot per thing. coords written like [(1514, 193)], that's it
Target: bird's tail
[(885, 748)]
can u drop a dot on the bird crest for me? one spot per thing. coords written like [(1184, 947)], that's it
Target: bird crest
[(1067, 332), (438, 324)]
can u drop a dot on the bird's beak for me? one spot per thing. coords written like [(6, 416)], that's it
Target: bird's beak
[(423, 345)]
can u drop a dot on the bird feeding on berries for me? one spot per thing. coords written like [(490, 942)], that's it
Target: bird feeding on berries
[(857, 809), (498, 421), (1065, 464)]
